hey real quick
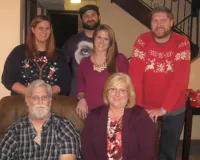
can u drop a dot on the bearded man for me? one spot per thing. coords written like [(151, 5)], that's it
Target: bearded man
[(80, 45), (41, 134), (159, 70)]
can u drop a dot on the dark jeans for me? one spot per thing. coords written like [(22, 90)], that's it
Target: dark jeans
[(170, 133)]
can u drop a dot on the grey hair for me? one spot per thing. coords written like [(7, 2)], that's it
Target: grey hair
[(38, 83)]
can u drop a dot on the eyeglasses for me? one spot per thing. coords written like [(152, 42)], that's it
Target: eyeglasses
[(37, 98), (120, 91)]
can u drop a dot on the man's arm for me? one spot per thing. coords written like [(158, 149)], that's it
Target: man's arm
[(136, 70), (69, 141), (67, 157), (8, 148), (180, 79)]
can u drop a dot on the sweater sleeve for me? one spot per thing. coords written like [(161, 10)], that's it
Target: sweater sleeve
[(122, 63), (65, 75), (146, 136), (179, 83), (67, 49), (11, 71), (136, 69), (81, 77), (87, 151)]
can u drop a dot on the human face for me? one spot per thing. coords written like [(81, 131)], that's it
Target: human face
[(101, 41), (42, 31), (90, 20), (39, 103), (118, 96), (161, 26)]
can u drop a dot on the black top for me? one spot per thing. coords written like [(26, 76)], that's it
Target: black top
[(18, 68)]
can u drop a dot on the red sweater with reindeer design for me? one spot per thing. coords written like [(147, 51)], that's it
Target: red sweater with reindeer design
[(160, 72)]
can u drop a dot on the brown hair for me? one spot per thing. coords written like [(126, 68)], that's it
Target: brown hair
[(31, 51), (111, 55), (162, 9), (116, 79)]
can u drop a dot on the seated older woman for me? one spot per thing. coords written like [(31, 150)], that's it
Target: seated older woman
[(119, 129)]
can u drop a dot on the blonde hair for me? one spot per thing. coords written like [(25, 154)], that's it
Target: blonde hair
[(114, 80)]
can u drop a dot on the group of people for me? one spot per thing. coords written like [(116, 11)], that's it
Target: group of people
[(121, 101)]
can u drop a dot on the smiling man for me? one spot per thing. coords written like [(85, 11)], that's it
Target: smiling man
[(41, 134), (159, 70), (80, 46)]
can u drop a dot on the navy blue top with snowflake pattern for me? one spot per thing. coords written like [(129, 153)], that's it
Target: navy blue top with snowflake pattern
[(18, 68)]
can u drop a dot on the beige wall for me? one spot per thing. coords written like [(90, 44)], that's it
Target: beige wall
[(126, 29), (9, 31)]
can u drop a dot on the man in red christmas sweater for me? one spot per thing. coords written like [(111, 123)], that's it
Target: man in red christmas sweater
[(159, 70)]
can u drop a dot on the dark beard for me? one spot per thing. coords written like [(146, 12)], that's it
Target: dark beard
[(91, 27), (165, 34)]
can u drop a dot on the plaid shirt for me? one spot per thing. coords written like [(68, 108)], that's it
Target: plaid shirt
[(58, 137)]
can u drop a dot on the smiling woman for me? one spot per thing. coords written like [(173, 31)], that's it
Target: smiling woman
[(95, 69), (37, 59), (122, 125)]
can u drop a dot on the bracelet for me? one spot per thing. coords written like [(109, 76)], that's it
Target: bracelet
[(80, 97)]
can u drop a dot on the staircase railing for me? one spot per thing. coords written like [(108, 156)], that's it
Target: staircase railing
[(184, 20)]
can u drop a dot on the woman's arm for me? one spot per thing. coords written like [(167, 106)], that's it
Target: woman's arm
[(82, 106), (11, 72), (146, 137), (64, 80), (19, 88), (87, 151), (55, 89)]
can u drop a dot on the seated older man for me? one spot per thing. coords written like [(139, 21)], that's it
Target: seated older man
[(41, 134)]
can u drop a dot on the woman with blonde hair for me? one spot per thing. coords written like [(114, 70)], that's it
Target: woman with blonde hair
[(119, 129), (38, 58), (94, 70)]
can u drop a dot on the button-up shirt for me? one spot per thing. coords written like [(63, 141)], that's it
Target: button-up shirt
[(58, 136)]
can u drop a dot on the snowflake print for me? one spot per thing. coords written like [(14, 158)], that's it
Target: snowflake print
[(160, 67), (182, 56), (138, 54), (141, 42), (169, 66), (182, 44)]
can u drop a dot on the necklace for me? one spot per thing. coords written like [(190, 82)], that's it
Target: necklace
[(111, 130), (99, 67)]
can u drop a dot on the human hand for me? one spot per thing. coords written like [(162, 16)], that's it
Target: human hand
[(155, 113), (82, 108)]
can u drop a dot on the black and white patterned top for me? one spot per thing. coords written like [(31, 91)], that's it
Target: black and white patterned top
[(58, 137)]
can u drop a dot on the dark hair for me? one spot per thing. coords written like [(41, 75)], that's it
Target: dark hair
[(31, 50), (162, 9), (84, 9), (111, 55)]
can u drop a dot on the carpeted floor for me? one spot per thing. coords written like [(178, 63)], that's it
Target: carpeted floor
[(194, 150)]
